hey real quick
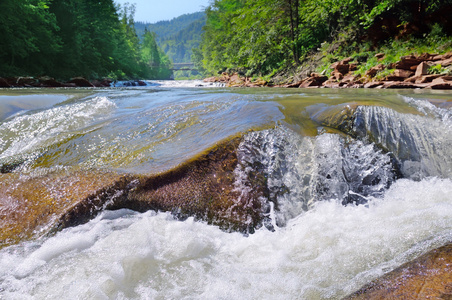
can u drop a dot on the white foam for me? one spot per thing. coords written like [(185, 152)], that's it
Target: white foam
[(325, 253)]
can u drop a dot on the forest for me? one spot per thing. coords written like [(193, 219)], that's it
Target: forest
[(264, 37), (68, 38), (177, 38)]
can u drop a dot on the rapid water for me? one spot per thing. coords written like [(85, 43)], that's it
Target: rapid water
[(347, 203)]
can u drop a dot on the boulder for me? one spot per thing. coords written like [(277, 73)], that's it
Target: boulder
[(27, 81), (399, 85), (374, 70), (47, 81), (422, 69), (373, 84), (203, 187), (427, 277), (81, 82), (406, 62), (4, 83), (403, 73), (236, 81), (427, 78)]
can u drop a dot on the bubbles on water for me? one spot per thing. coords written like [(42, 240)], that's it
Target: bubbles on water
[(422, 145), (327, 252), (300, 171)]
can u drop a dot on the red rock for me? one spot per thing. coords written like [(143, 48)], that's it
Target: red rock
[(440, 86), (373, 84), (332, 83), (403, 73), (294, 85), (311, 82), (406, 62), (399, 85), (443, 56), (350, 78), (336, 75), (427, 78), (422, 69), (373, 71), (444, 63)]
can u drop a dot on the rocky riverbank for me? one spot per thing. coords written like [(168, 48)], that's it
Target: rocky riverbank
[(49, 82), (426, 71)]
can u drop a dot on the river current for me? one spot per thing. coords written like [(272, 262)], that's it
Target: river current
[(345, 217)]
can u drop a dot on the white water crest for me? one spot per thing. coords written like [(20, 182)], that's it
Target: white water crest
[(326, 253)]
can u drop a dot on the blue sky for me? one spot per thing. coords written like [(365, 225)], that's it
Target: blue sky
[(158, 10)]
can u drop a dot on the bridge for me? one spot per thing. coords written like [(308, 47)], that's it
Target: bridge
[(183, 66)]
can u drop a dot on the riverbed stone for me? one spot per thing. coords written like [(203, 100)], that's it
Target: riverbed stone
[(427, 277), (31, 204), (203, 187)]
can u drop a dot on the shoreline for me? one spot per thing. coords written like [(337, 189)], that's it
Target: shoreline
[(423, 71), (50, 82)]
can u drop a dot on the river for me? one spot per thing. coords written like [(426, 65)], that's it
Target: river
[(355, 197)]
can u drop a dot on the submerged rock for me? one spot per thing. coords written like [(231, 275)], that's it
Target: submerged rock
[(427, 277), (204, 187), (30, 205)]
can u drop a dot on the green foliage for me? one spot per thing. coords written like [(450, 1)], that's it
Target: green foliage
[(438, 69), (260, 37), (68, 38)]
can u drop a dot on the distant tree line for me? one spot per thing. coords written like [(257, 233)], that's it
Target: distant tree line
[(260, 37), (67, 38), (177, 37)]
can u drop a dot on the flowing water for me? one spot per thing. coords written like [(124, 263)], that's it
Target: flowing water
[(350, 198)]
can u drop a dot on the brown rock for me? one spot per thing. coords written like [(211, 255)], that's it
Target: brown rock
[(236, 81), (27, 81), (403, 73), (49, 82), (4, 83), (349, 78), (444, 63), (427, 277), (439, 86), (380, 56), (422, 69), (374, 70), (442, 57), (427, 78), (210, 79), (294, 85), (332, 83), (28, 204), (406, 62), (373, 84), (81, 82), (203, 187), (336, 75), (311, 82), (399, 85)]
